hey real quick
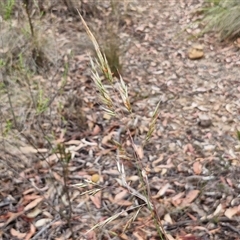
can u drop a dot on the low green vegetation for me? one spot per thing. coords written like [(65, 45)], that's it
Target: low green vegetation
[(6, 7), (223, 17)]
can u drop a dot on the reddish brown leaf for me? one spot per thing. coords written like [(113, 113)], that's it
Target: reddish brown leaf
[(33, 203), (190, 197), (197, 168), (17, 234), (96, 199), (31, 232)]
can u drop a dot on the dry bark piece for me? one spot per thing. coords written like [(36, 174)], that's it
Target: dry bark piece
[(196, 52)]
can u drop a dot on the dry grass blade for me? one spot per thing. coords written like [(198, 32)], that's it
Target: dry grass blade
[(104, 94), (112, 218), (124, 95), (108, 220), (102, 60), (102, 63), (153, 122), (134, 192)]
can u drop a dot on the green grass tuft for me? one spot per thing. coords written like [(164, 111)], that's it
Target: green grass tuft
[(223, 17)]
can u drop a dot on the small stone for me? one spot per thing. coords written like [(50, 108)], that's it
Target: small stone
[(196, 52), (172, 147), (228, 60), (209, 147), (204, 121)]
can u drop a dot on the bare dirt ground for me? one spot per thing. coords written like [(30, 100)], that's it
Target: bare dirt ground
[(193, 156)]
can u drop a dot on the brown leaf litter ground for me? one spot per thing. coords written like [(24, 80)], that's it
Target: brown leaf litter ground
[(193, 156)]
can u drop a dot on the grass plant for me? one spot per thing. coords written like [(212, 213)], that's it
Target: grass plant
[(100, 64), (223, 17)]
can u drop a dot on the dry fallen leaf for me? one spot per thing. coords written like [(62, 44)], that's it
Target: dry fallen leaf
[(170, 237), (31, 232), (34, 213), (133, 178), (197, 168), (188, 148), (162, 191), (190, 197), (168, 218), (107, 138), (123, 236), (229, 181), (17, 234), (96, 199), (27, 198), (177, 199), (96, 130), (42, 222), (31, 149), (139, 150), (58, 177), (190, 237), (124, 203), (121, 195), (33, 204), (230, 212), (12, 217), (138, 236), (218, 210)]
